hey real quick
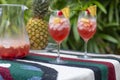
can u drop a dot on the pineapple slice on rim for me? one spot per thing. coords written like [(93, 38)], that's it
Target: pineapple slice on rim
[(66, 12), (92, 10)]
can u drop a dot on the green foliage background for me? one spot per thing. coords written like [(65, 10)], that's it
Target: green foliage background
[(107, 37)]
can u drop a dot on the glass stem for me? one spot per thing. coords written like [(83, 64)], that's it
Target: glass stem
[(58, 53), (85, 53)]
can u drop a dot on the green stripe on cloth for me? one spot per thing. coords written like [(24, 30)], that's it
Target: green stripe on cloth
[(49, 73), (103, 68), (23, 71)]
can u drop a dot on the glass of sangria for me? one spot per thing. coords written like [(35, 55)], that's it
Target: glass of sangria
[(86, 27), (59, 28)]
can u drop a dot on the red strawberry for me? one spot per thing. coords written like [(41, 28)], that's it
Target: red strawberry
[(59, 13), (88, 12), (22, 51), (14, 52), (8, 53)]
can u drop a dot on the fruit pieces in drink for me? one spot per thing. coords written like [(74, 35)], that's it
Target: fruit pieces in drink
[(86, 28), (58, 23), (59, 28), (13, 52), (59, 35)]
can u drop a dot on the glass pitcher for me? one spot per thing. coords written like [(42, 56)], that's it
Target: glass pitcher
[(14, 41)]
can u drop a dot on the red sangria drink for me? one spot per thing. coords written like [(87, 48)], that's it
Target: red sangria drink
[(86, 28), (13, 49), (59, 28), (86, 25)]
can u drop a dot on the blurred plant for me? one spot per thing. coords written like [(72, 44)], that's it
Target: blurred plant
[(109, 27)]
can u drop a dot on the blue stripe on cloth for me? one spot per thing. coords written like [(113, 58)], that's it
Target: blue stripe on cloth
[(49, 73)]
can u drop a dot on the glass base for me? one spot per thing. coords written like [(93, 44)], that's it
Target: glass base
[(84, 57), (58, 61)]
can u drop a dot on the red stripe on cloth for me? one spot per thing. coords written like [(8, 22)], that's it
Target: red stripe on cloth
[(5, 73), (111, 69)]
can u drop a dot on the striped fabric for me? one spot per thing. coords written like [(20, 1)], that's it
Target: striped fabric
[(36, 66), (105, 67), (25, 71)]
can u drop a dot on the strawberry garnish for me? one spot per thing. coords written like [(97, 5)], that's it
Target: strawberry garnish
[(88, 12), (59, 13)]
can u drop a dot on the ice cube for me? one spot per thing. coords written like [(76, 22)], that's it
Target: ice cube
[(61, 27), (79, 27), (6, 44), (56, 26)]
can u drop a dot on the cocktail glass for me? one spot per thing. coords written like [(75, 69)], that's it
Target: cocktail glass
[(59, 28), (86, 27)]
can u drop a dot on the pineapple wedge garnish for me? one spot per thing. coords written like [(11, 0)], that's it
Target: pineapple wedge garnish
[(66, 12), (92, 10)]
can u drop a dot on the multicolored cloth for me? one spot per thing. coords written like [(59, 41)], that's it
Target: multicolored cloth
[(36, 66), (18, 70)]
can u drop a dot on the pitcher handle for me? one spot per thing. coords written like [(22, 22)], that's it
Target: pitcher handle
[(24, 7)]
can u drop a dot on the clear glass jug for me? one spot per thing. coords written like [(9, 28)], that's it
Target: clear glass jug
[(14, 41)]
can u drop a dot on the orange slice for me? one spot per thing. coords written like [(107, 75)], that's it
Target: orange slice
[(66, 12), (57, 20), (84, 20), (92, 10)]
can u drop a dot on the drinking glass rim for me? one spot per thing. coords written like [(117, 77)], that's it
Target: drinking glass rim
[(19, 5), (11, 5), (86, 14), (14, 5)]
